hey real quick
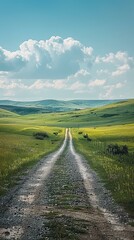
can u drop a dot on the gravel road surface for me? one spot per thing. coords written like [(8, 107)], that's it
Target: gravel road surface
[(62, 198)]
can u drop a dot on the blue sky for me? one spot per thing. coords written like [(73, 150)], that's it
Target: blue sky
[(66, 49)]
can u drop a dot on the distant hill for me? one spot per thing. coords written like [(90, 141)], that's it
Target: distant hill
[(111, 114), (50, 105), (4, 113), (115, 113)]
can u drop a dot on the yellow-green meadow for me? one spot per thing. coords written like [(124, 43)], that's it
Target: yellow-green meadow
[(22, 144), (20, 149), (116, 171)]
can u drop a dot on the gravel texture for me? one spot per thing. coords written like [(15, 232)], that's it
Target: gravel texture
[(62, 198)]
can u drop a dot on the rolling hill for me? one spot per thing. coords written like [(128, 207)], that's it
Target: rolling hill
[(111, 114), (4, 113), (47, 106)]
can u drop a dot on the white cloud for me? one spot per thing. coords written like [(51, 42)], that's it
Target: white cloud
[(88, 50), (10, 61), (37, 85), (54, 58), (59, 84), (109, 58), (62, 64), (119, 85), (121, 70), (114, 57), (40, 84), (77, 86), (123, 57), (81, 73), (110, 89), (102, 71), (117, 64), (97, 82), (11, 84)]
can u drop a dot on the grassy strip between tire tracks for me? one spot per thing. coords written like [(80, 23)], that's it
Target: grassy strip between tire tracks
[(64, 191)]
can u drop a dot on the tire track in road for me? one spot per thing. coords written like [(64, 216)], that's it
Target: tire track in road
[(101, 199), (14, 220), (58, 200)]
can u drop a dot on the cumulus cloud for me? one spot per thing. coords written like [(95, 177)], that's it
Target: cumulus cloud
[(11, 61), (58, 58), (62, 64), (54, 58)]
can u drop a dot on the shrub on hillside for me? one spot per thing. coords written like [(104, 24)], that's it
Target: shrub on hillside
[(87, 137), (116, 149), (55, 133), (40, 135), (80, 132)]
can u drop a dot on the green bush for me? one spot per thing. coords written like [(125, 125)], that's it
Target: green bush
[(55, 133), (80, 132), (116, 149), (87, 137), (41, 135)]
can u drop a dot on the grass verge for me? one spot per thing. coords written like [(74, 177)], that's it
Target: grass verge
[(19, 149), (115, 171)]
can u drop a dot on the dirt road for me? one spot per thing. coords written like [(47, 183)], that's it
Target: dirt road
[(62, 198)]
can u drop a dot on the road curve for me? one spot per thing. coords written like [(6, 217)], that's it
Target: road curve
[(61, 198)]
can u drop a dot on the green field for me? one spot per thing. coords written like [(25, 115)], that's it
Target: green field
[(111, 114), (116, 171), (113, 123), (50, 105), (19, 149)]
